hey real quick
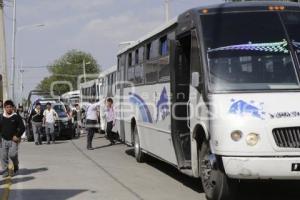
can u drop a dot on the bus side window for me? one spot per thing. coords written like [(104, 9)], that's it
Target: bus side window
[(151, 72), (139, 74)]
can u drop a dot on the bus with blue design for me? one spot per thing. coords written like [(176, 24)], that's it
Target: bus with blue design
[(216, 94)]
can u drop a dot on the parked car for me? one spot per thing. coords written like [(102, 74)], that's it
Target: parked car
[(63, 125)]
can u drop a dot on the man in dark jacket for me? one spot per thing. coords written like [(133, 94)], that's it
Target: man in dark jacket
[(36, 120), (12, 128)]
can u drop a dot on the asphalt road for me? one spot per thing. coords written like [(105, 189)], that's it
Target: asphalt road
[(66, 170)]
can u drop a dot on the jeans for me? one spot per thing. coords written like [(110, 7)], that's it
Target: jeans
[(9, 150), (37, 127), (50, 131), (91, 124), (109, 132)]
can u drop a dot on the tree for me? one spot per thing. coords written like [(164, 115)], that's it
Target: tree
[(69, 67)]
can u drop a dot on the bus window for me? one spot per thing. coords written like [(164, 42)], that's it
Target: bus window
[(136, 57), (164, 49), (130, 74), (141, 54), (151, 73), (129, 59), (154, 53), (164, 69), (148, 50), (172, 36), (139, 74)]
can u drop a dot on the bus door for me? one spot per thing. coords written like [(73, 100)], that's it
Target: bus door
[(120, 86), (180, 87)]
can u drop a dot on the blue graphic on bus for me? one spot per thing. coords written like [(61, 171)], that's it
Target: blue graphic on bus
[(143, 108), (242, 108), (162, 106)]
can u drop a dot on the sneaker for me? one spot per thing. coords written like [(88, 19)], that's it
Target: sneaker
[(112, 142), (48, 142), (37, 143), (16, 170), (5, 175), (90, 148)]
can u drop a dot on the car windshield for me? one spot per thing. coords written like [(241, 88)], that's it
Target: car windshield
[(249, 51), (61, 110)]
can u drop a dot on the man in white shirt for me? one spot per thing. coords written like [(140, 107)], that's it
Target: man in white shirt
[(91, 123), (49, 120)]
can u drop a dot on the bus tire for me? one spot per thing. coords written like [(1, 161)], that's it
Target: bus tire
[(215, 183), (139, 154)]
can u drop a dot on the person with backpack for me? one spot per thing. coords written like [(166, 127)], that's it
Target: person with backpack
[(11, 129), (49, 119), (36, 119)]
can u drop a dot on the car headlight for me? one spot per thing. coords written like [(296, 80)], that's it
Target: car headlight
[(236, 135), (252, 139)]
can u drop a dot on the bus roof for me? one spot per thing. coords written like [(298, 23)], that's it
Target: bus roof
[(108, 71), (246, 6), (88, 83), (71, 93), (149, 35)]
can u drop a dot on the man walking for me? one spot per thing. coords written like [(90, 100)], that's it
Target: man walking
[(12, 128), (110, 120), (36, 119), (91, 123), (77, 116), (49, 120)]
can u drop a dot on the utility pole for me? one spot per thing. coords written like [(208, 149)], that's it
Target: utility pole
[(167, 10), (21, 81), (13, 58), (83, 66), (3, 63)]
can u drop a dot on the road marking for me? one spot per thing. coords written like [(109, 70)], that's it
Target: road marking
[(8, 184)]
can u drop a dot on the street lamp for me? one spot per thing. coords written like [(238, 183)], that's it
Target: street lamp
[(15, 30)]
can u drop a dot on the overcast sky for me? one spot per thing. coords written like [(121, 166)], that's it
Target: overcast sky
[(94, 26)]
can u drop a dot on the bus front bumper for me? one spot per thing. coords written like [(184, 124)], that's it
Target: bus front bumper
[(278, 168)]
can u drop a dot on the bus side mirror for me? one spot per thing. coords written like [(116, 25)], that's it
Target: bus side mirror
[(195, 79)]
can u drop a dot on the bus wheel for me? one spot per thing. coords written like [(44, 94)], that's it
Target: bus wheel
[(215, 183), (139, 155)]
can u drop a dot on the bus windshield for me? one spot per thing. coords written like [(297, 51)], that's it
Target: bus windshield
[(292, 23), (249, 51)]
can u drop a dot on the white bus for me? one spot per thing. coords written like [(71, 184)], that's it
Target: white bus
[(98, 90), (216, 93), (71, 98), (107, 80), (107, 88), (89, 92)]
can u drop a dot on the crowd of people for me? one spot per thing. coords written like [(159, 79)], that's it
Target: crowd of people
[(47, 118), (12, 128)]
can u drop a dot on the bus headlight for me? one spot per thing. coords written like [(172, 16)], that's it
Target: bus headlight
[(236, 135), (252, 139)]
